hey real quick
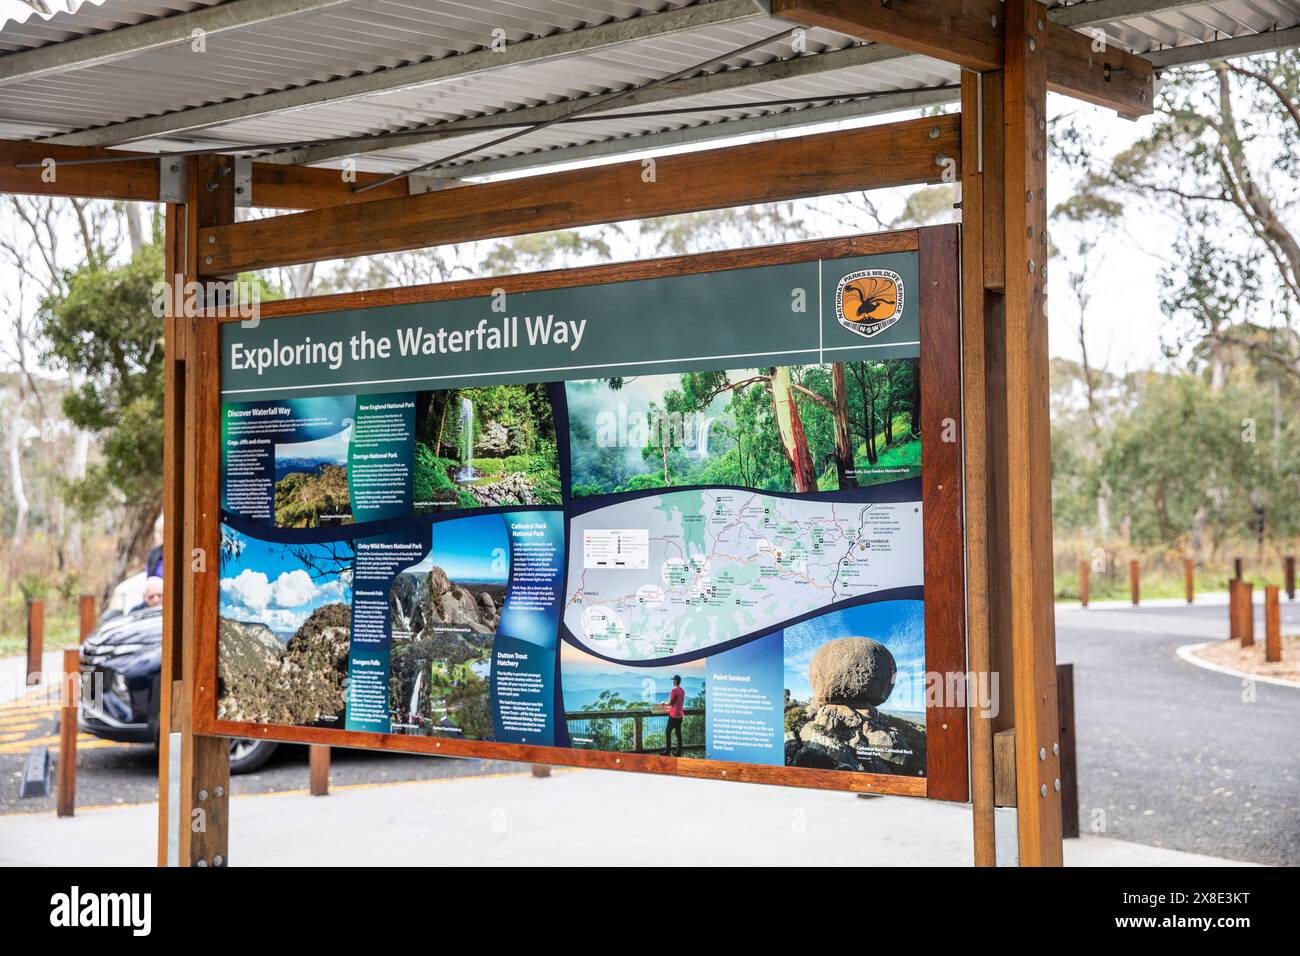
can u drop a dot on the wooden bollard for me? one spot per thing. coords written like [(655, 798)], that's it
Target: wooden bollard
[(319, 759), (1272, 625), (1083, 583), (89, 615), (1288, 573), (35, 640), (67, 786), (1189, 579), (1236, 568), (1246, 605), (1133, 588), (1234, 614)]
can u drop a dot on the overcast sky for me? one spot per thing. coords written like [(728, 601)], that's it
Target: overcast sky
[(1124, 330)]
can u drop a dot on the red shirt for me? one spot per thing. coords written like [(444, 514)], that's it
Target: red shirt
[(676, 700)]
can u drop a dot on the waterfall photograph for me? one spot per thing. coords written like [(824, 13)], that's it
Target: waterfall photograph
[(483, 447)]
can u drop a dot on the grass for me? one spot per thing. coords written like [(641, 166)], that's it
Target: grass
[(62, 629), (1161, 582)]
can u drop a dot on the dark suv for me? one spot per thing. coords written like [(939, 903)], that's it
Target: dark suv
[(121, 670)]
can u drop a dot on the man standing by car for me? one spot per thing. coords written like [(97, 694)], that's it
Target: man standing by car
[(676, 710)]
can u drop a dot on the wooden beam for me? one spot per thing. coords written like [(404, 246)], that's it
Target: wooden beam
[(971, 34), (965, 32), (795, 168), (1097, 72), (1027, 448), (275, 186)]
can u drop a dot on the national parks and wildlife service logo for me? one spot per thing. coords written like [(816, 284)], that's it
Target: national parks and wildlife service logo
[(869, 301)]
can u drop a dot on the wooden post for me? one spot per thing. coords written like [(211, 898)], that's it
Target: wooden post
[(1189, 579), (1288, 573), (1084, 569), (191, 460), (1246, 605), (541, 770), (89, 615), (35, 640), (319, 760), (1025, 445), (981, 250), (1272, 625), (1236, 568), (1134, 588), (1069, 762), (71, 698)]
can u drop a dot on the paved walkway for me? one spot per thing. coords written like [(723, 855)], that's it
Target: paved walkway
[(578, 817)]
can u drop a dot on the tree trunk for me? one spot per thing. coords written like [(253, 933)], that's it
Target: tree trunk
[(843, 439), (16, 486), (915, 412), (789, 426), (133, 543), (889, 406)]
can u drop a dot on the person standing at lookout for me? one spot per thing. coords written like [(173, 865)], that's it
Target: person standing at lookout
[(676, 710)]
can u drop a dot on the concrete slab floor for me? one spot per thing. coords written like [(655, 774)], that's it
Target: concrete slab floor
[(573, 817)]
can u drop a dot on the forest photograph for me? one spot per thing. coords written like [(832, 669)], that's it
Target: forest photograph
[(799, 428), (485, 446)]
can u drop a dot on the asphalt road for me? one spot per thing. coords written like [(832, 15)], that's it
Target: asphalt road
[(110, 773), (1174, 755), (1170, 754)]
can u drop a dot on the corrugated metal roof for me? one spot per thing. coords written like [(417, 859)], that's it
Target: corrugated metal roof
[(372, 38)]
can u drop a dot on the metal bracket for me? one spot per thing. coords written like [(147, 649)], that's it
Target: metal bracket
[(244, 181), (418, 183), (173, 179)]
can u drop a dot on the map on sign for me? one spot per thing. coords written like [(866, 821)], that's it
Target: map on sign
[(717, 564)]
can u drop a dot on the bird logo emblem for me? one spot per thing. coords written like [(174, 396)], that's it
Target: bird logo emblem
[(869, 301)]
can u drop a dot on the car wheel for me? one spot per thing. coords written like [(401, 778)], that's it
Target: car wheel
[(248, 755)]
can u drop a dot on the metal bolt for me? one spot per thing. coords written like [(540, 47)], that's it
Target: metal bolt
[(1043, 792), (1040, 23), (212, 240), (934, 132), (1043, 272), (1058, 785), (207, 260), (220, 791), (1042, 753), (1039, 154), (1056, 750), (218, 860), (212, 187), (1042, 124), (1031, 232), (1029, 196), (1031, 265), (203, 795), (1033, 45), (994, 21), (201, 863)]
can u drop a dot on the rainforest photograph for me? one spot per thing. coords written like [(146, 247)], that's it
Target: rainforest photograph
[(485, 446), (799, 428)]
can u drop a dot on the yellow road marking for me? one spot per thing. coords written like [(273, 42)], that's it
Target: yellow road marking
[(83, 741)]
